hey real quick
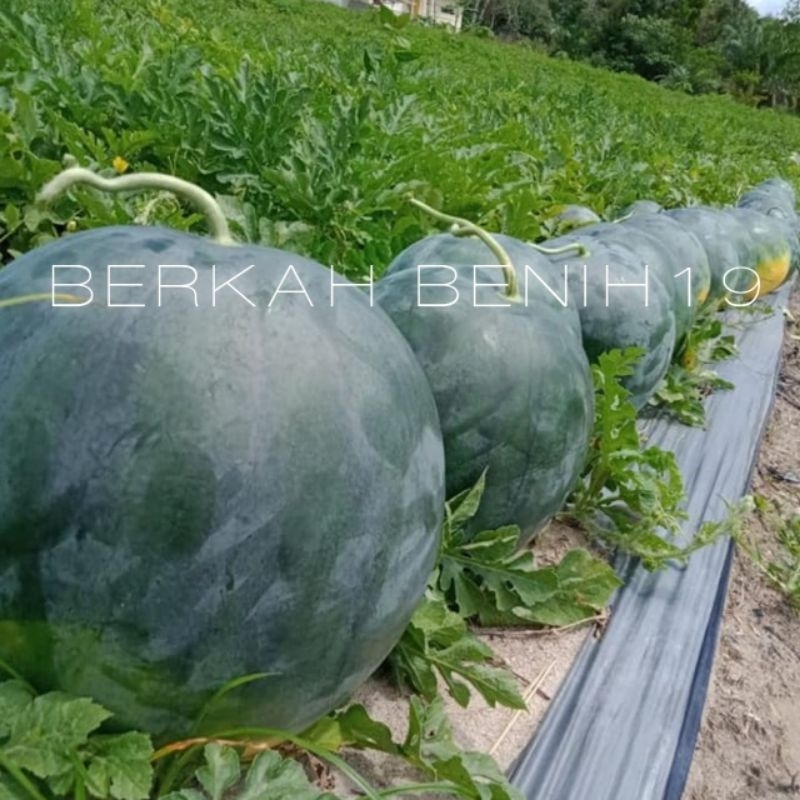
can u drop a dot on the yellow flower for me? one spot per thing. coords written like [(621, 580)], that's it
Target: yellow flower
[(120, 164)]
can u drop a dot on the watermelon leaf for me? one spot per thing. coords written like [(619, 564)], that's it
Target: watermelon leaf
[(220, 772), (438, 644), (270, 777), (119, 766), (51, 742), (490, 579), (690, 379), (630, 495), (429, 745)]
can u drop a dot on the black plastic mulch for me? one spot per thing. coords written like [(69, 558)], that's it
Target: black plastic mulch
[(624, 723)]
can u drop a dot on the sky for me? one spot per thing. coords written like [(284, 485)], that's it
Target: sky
[(767, 6)]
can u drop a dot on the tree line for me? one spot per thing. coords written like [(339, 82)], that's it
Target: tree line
[(699, 46)]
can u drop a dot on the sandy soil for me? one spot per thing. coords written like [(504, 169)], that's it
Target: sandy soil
[(749, 747)]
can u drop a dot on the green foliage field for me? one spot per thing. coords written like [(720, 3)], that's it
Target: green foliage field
[(314, 123), (311, 125)]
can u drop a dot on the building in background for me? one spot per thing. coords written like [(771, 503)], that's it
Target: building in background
[(441, 12)]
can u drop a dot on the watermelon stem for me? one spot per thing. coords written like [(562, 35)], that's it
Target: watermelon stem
[(580, 249), (73, 176), (7, 302), (463, 227)]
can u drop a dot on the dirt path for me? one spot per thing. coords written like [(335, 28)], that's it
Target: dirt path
[(749, 747)]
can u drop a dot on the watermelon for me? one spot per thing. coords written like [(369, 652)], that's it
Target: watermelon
[(682, 251), (570, 217), (772, 244), (777, 199), (640, 207), (727, 244), (614, 317), (511, 381), (202, 487)]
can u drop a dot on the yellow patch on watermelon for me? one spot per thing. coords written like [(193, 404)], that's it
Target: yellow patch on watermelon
[(772, 272)]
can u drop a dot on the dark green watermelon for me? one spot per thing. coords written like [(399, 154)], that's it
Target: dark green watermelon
[(618, 318), (647, 251), (772, 244), (512, 384), (727, 244), (193, 494), (538, 279), (681, 250), (641, 207), (570, 217), (777, 199), (772, 196)]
